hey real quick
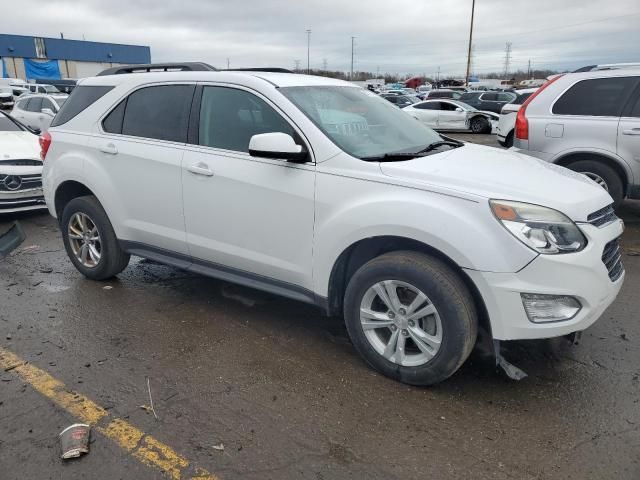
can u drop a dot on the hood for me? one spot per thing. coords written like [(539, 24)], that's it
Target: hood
[(19, 146), (501, 174)]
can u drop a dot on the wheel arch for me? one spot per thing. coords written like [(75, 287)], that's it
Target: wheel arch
[(67, 191), (360, 252), (620, 168)]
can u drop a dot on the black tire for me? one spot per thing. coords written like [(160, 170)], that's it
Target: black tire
[(479, 125), (508, 142), (447, 292), (615, 184), (113, 259)]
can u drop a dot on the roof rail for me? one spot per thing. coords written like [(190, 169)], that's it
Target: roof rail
[(158, 67), (260, 69)]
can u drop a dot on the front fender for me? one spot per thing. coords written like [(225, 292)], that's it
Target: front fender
[(462, 229)]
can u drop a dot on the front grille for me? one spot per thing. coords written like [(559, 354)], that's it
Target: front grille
[(21, 202), (612, 259), (602, 217), (18, 183)]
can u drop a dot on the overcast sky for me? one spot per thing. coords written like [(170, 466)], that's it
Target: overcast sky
[(400, 37)]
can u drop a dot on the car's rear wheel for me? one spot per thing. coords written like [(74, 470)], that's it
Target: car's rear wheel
[(90, 240), (508, 142), (479, 125), (411, 317), (603, 175)]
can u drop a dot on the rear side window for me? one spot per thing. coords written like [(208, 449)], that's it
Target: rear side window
[(635, 111), (113, 122), (35, 104), (160, 112), (80, 99), (490, 97), (600, 97), (521, 98)]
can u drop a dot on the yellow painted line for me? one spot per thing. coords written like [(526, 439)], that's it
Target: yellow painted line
[(134, 441)]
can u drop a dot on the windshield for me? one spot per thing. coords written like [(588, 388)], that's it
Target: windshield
[(360, 122), (7, 125)]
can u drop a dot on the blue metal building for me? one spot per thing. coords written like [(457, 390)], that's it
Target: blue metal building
[(30, 57)]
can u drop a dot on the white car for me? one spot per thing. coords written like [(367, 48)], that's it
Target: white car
[(20, 168), (507, 122), (452, 115), (37, 111), (323, 192)]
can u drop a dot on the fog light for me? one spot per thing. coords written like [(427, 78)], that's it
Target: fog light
[(549, 308)]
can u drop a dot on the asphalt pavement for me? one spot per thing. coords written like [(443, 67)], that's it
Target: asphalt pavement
[(246, 385)]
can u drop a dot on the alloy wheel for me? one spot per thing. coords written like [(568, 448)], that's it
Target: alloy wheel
[(401, 323), (84, 239)]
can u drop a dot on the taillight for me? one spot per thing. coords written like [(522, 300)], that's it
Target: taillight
[(45, 143), (522, 124)]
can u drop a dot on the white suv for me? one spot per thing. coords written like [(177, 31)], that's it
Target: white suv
[(323, 192), (588, 122)]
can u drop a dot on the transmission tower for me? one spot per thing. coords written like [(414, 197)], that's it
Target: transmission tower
[(507, 59), (324, 64), (297, 63)]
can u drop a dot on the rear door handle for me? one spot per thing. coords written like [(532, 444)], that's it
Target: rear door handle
[(631, 131), (201, 168), (109, 148)]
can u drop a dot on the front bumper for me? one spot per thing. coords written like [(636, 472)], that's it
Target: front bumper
[(582, 275), (21, 201)]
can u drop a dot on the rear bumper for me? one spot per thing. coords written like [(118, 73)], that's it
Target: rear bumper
[(582, 275)]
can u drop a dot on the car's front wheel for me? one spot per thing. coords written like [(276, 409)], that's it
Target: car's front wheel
[(90, 240), (411, 317), (479, 125)]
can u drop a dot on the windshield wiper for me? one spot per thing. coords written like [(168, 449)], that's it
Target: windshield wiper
[(399, 156), (442, 143), (392, 157)]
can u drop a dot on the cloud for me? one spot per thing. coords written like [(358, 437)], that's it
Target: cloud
[(400, 37)]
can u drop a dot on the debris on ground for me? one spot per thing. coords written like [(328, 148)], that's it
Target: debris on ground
[(74, 440), (108, 287), (218, 446)]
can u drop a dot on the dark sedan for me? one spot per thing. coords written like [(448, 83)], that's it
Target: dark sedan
[(488, 101)]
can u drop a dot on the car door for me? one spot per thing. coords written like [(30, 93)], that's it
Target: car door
[(249, 216), (629, 133), (427, 113), (137, 153), (450, 118), (487, 101)]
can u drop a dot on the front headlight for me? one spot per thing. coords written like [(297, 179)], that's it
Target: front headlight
[(542, 229)]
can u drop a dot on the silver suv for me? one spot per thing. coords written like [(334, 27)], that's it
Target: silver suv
[(590, 123)]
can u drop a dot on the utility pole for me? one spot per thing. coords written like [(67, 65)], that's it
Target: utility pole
[(507, 59), (529, 69), (297, 63), (438, 79), (352, 46), (308, 50), (473, 9), (228, 63)]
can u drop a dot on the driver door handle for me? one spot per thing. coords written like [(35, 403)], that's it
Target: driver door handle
[(631, 131), (109, 148), (200, 168)]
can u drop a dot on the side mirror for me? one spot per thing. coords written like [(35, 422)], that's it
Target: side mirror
[(48, 111), (458, 109), (276, 145), (35, 131)]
